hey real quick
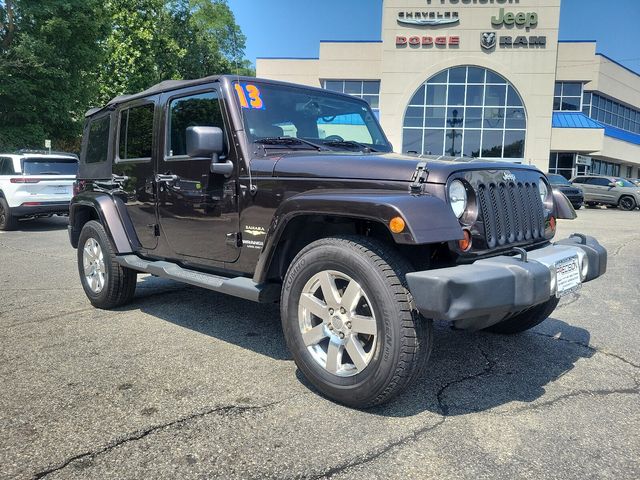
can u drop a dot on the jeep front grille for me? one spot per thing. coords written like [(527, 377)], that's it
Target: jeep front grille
[(511, 213)]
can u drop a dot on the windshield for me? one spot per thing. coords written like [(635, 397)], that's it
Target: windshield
[(625, 183), (558, 180), (324, 119), (50, 166)]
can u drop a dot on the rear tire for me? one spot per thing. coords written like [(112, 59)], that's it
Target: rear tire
[(627, 203), (7, 221), (106, 283), (359, 349), (525, 320)]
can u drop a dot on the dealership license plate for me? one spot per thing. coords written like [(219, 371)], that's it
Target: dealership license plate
[(568, 276), (60, 189)]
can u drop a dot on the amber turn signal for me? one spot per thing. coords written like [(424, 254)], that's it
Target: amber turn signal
[(396, 224), (465, 243)]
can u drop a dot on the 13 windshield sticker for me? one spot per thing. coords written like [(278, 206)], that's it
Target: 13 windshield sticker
[(249, 96)]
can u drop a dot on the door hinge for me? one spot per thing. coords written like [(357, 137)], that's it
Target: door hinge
[(234, 239)]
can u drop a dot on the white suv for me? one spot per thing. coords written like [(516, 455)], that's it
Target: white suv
[(35, 184)]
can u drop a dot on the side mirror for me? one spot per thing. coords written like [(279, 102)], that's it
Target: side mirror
[(208, 142), (613, 184), (204, 141)]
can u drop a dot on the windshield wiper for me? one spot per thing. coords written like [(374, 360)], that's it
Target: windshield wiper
[(290, 142), (350, 144)]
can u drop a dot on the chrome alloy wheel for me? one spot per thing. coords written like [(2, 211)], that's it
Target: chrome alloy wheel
[(93, 263), (337, 323)]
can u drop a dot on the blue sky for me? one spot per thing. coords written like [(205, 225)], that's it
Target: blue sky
[(294, 28)]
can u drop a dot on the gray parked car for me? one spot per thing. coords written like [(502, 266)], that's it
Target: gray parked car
[(602, 190)]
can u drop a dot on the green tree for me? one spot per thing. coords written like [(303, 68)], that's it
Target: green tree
[(59, 57), (48, 53), (155, 40)]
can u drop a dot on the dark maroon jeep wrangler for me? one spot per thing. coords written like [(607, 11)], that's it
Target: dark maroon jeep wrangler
[(282, 193)]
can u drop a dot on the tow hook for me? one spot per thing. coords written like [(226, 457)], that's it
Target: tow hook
[(522, 252)]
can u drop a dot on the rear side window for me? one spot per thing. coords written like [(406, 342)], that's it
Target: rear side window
[(98, 141), (49, 166), (136, 131), (6, 166), (603, 182), (202, 110)]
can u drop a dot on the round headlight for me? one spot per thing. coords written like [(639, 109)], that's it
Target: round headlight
[(544, 191), (458, 197)]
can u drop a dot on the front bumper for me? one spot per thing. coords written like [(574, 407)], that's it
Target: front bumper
[(483, 293)]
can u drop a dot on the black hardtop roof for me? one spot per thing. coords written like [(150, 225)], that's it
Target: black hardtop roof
[(168, 85)]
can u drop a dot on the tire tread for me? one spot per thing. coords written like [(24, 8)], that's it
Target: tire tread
[(416, 332), (121, 281)]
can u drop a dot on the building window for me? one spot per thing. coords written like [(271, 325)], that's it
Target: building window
[(600, 167), (562, 163), (466, 112), (568, 96), (610, 112), (368, 90)]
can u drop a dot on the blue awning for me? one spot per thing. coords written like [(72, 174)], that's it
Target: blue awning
[(574, 120), (580, 120)]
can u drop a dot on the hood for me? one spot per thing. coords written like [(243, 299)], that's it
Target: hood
[(387, 166)]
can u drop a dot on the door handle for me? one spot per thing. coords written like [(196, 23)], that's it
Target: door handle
[(166, 178)]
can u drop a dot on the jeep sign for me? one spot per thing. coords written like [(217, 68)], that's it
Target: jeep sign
[(520, 19)]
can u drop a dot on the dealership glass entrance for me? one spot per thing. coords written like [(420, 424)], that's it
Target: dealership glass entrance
[(466, 111)]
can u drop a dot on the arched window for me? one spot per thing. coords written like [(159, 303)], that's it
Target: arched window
[(466, 111)]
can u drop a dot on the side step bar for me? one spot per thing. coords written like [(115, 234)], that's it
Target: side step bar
[(238, 286)]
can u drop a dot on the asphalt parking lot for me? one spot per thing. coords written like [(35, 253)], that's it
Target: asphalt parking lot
[(185, 383)]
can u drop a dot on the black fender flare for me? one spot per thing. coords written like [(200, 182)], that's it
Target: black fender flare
[(113, 216), (428, 218)]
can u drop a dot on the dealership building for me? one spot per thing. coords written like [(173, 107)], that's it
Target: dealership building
[(487, 79)]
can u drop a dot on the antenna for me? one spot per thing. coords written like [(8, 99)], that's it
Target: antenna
[(253, 189)]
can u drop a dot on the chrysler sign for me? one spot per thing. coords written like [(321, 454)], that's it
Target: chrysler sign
[(428, 19)]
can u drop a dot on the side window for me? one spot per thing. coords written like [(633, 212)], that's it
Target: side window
[(601, 182), (136, 131), (201, 110), (6, 166), (98, 141), (579, 180)]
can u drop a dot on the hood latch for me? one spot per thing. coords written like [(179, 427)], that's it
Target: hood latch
[(419, 178)]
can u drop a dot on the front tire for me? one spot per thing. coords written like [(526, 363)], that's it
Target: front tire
[(106, 283), (627, 203), (7, 221), (525, 320), (350, 323)]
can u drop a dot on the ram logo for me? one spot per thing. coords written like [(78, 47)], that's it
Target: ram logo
[(488, 40)]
